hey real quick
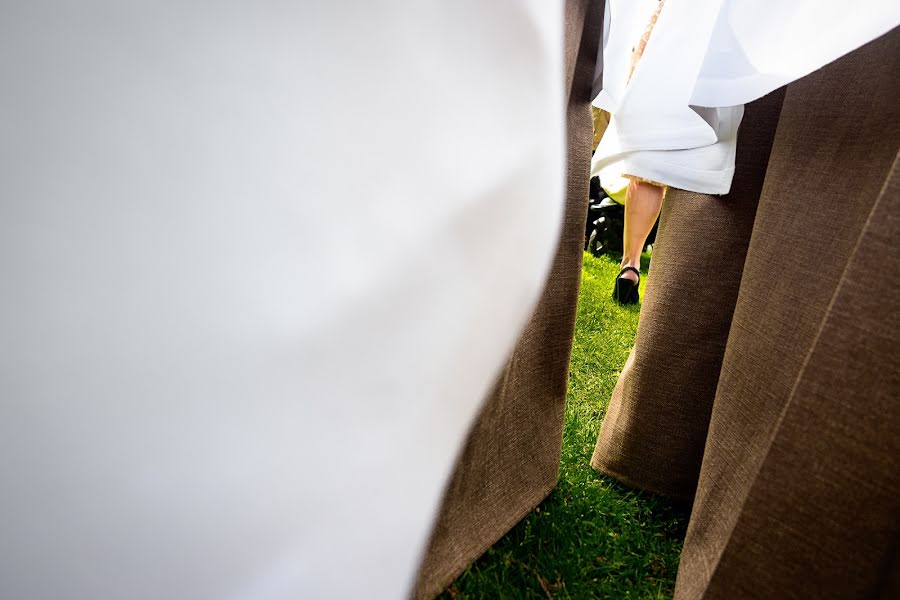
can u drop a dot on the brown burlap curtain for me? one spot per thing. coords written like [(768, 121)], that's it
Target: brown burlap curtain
[(765, 380), (511, 459)]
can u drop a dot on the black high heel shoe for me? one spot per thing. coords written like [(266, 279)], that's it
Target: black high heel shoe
[(626, 290)]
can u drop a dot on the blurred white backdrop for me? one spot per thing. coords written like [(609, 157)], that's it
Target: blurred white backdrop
[(257, 277)]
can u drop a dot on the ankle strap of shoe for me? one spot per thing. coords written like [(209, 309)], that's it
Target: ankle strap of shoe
[(636, 272)]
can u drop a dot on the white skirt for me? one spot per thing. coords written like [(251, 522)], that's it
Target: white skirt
[(676, 119)]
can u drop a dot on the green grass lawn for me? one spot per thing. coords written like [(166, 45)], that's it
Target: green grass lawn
[(592, 537)]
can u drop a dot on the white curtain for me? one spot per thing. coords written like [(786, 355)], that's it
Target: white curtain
[(260, 263)]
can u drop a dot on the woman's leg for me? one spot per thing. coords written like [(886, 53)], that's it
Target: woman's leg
[(642, 205)]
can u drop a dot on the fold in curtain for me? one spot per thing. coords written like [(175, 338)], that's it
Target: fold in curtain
[(510, 462), (765, 377)]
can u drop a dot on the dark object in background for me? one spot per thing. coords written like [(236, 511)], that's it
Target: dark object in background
[(606, 223)]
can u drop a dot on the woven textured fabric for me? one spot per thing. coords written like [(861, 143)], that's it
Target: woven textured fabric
[(799, 492), (655, 428), (511, 460)]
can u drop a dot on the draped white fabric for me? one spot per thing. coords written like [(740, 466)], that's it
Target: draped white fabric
[(717, 54), (260, 262)]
